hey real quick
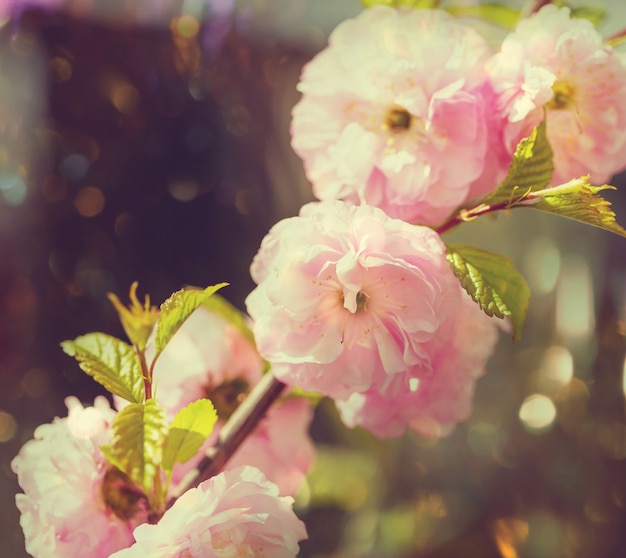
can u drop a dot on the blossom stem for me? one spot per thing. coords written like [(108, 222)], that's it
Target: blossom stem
[(146, 372), (472, 213), (241, 423), (616, 39)]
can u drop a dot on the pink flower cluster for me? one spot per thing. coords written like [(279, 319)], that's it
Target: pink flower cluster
[(209, 357), (559, 64), (236, 513), (365, 309), (75, 504), (62, 472), (409, 111)]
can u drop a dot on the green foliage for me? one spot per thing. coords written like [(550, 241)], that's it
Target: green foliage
[(110, 362), (226, 310), (139, 432), (176, 309), (491, 12), (493, 282), (579, 200), (191, 427), (530, 170), (137, 320)]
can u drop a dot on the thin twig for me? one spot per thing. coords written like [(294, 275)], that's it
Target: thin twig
[(241, 423)]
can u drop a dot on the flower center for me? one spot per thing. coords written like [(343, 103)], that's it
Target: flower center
[(398, 119), (227, 396), (361, 301), (120, 495), (564, 94)]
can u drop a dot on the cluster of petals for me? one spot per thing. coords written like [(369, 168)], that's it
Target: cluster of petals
[(433, 404), (395, 113), (210, 357), (236, 513), (350, 301), (62, 470), (559, 64)]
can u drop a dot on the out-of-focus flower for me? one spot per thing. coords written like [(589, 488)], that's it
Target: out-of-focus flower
[(209, 357), (393, 114), (66, 480), (236, 513), (348, 298), (434, 404), (559, 64)]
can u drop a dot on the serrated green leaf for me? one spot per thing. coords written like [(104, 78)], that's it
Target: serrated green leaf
[(191, 427), (493, 282), (579, 200), (530, 170), (176, 309), (139, 432), (220, 306), (110, 362), (492, 12)]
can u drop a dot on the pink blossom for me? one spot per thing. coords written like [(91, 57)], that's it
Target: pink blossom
[(559, 64), (434, 404), (347, 298), (62, 472), (236, 513), (209, 357), (393, 114)]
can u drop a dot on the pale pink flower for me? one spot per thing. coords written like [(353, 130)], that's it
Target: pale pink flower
[(347, 298), (434, 404), (236, 513), (560, 64), (393, 114), (62, 472), (209, 357)]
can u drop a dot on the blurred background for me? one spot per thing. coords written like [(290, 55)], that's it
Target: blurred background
[(148, 140)]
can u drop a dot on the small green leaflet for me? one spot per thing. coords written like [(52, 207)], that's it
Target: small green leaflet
[(190, 429), (492, 282), (139, 432), (492, 12), (176, 309), (579, 200), (110, 362), (530, 170), (220, 306)]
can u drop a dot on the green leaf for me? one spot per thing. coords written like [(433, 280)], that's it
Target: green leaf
[(191, 427), (493, 282), (530, 170), (139, 432), (579, 200), (176, 309), (491, 12), (137, 319), (110, 362), (220, 306)]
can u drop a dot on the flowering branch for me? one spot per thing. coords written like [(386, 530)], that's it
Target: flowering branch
[(241, 423)]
